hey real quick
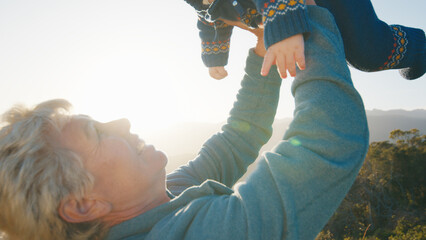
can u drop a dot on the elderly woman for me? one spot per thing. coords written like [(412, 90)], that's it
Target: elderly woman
[(70, 177)]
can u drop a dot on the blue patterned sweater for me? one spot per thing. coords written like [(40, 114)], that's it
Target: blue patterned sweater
[(281, 19)]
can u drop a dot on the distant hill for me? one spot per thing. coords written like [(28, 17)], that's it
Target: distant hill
[(381, 123), (418, 113), (182, 141)]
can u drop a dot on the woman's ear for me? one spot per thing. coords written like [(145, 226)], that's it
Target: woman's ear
[(76, 211)]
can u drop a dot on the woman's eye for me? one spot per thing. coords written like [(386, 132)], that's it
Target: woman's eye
[(98, 133)]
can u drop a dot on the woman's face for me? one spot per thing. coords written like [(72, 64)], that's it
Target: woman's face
[(124, 168)]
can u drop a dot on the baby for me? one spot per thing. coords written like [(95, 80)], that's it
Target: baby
[(284, 22), (370, 44)]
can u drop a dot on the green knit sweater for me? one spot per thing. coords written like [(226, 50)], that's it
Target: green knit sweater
[(298, 185)]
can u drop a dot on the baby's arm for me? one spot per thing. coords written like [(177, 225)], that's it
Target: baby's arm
[(218, 73), (284, 21), (215, 38), (285, 54)]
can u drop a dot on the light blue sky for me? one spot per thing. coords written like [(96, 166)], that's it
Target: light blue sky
[(140, 60)]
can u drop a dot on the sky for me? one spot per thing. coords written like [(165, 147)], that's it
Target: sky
[(141, 60)]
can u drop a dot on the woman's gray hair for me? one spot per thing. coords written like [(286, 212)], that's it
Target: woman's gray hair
[(36, 175)]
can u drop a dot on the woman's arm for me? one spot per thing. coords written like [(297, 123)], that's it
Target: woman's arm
[(297, 186), (226, 155)]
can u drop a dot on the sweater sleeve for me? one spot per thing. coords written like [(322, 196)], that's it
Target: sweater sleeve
[(226, 155), (297, 186), (215, 42), (283, 19)]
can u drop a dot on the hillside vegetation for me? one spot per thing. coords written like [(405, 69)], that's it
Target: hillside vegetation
[(387, 200)]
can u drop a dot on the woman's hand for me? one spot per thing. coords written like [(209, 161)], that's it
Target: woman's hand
[(258, 32)]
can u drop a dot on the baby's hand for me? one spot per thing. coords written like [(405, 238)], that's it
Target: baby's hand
[(218, 73), (285, 54)]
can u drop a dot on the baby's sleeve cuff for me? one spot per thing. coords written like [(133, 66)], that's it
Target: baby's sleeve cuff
[(283, 19)]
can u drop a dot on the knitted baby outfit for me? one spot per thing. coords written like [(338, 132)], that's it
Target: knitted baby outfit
[(370, 44), (215, 34), (281, 19), (373, 45)]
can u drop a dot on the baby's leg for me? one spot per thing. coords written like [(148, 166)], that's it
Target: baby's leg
[(372, 45)]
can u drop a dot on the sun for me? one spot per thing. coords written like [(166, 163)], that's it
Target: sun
[(148, 101)]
